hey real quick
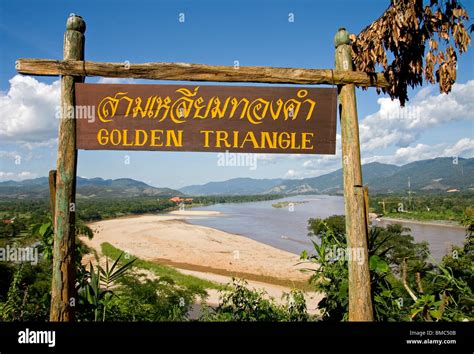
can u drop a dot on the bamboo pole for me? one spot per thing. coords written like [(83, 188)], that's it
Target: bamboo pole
[(63, 283), (360, 301), (199, 72)]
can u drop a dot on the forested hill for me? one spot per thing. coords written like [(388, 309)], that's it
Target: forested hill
[(440, 174), (435, 175), (86, 188)]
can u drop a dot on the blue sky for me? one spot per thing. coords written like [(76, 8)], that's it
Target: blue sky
[(213, 32)]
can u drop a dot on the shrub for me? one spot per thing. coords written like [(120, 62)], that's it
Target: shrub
[(239, 303)]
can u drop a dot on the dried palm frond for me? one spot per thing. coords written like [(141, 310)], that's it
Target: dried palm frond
[(409, 33)]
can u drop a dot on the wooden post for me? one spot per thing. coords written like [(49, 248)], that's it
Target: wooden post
[(366, 204), (360, 300), (63, 283), (52, 191)]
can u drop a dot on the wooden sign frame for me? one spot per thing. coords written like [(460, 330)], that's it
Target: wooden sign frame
[(205, 118), (73, 69)]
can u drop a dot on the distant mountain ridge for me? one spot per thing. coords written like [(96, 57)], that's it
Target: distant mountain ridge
[(440, 174), (86, 188), (235, 186)]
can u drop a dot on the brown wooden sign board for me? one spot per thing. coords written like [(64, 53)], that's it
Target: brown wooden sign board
[(255, 119)]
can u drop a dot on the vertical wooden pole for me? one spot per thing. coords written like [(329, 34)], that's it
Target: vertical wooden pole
[(63, 283), (366, 204), (360, 300), (52, 192)]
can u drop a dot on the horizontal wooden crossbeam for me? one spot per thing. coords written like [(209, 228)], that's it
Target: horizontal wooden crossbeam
[(199, 72)]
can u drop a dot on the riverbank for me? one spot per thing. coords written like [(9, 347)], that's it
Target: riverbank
[(274, 291), (444, 223), (212, 283), (169, 239)]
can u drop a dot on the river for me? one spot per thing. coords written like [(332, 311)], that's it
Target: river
[(286, 228)]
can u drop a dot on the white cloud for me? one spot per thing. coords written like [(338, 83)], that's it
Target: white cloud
[(17, 176), (328, 163), (463, 148), (309, 160), (393, 125), (300, 173), (26, 175), (274, 158), (17, 157), (9, 155), (396, 126), (323, 164), (33, 145), (6, 175), (28, 110)]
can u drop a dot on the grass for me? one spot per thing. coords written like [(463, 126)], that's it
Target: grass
[(162, 270)]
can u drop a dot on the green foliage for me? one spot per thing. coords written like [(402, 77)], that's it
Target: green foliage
[(222, 199), (167, 298), (103, 294), (239, 303), (99, 209), (378, 265), (243, 304), (162, 270), (95, 291), (453, 280), (444, 291), (29, 285), (143, 299), (32, 282), (6, 275), (28, 297), (45, 233), (394, 243), (335, 225), (12, 226), (295, 309), (32, 212), (453, 206), (11, 310), (331, 274), (16, 218)]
